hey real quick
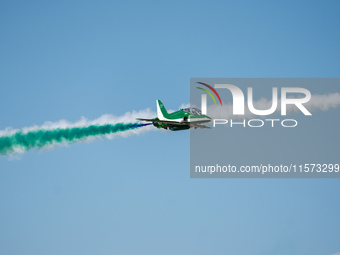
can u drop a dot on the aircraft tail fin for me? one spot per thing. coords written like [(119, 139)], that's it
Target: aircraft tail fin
[(162, 114)]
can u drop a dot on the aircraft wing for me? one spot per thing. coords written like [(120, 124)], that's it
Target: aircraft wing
[(166, 122), (184, 123), (146, 119)]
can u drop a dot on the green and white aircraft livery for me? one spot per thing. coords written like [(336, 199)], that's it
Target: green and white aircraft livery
[(179, 120)]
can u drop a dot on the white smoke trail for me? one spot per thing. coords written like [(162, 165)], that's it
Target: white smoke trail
[(84, 122), (110, 126)]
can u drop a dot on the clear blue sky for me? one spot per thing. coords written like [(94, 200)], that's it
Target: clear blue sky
[(68, 59)]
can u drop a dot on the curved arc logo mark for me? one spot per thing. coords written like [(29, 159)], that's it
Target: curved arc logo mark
[(208, 92), (213, 90)]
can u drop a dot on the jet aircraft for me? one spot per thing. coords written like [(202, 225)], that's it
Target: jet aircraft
[(180, 120)]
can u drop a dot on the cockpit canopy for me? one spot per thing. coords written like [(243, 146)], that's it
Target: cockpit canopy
[(193, 110)]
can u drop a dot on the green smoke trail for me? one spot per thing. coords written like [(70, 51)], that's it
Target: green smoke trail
[(40, 138)]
